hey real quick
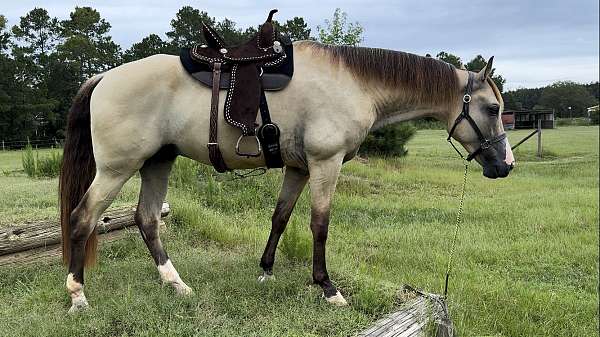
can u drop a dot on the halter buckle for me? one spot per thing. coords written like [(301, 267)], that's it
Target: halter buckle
[(467, 98), (485, 145)]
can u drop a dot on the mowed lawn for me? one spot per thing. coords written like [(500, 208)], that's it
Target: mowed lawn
[(526, 263)]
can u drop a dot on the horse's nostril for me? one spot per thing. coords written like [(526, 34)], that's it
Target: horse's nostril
[(511, 166)]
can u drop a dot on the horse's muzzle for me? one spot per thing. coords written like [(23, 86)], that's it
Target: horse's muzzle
[(497, 170)]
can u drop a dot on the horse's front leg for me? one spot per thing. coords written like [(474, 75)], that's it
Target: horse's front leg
[(294, 181), (322, 181)]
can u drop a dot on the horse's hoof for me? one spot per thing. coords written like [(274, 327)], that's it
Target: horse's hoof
[(183, 289), (337, 300), (78, 305), (266, 278)]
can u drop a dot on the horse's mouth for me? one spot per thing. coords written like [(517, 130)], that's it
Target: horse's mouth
[(497, 171)]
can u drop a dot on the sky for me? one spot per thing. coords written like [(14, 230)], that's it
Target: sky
[(535, 43)]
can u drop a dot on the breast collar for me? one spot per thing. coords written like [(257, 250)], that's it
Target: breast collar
[(484, 143)]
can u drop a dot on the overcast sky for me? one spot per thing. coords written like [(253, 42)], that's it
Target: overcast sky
[(535, 42)]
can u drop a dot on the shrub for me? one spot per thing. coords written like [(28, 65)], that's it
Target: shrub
[(389, 140), (41, 167), (428, 123), (49, 166), (28, 161)]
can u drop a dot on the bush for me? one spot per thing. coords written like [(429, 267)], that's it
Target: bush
[(428, 123), (49, 166), (389, 140), (45, 167), (28, 161)]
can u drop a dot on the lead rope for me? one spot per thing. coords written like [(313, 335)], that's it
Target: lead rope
[(456, 228)]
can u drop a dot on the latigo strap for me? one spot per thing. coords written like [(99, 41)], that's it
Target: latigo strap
[(214, 153)]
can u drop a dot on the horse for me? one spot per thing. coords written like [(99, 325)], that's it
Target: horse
[(138, 117)]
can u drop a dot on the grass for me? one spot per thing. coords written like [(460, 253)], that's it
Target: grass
[(24, 199), (526, 262)]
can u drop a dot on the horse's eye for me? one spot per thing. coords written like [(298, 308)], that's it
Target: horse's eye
[(494, 109)]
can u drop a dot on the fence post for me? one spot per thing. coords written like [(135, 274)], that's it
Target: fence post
[(539, 138), (3, 146)]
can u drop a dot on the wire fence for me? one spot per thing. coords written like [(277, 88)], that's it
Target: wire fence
[(6, 145)]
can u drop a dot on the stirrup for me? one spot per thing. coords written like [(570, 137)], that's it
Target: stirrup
[(256, 154)]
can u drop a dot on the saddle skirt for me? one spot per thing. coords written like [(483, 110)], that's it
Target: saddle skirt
[(244, 70)]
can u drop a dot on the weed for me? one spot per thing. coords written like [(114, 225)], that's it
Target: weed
[(44, 167)]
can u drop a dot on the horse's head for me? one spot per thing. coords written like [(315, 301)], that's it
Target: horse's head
[(477, 124)]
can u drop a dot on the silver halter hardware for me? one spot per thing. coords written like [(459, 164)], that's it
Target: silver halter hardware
[(484, 143)]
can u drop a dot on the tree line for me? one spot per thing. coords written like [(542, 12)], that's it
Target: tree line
[(568, 99), (44, 60)]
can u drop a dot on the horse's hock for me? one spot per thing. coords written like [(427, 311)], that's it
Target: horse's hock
[(36, 240)]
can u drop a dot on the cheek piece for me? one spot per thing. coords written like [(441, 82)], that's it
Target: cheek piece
[(484, 143)]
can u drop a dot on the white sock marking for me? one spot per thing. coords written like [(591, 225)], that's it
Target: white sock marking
[(169, 274), (75, 289)]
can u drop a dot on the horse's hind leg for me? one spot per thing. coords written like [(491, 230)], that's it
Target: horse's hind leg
[(155, 178), (294, 181), (99, 196)]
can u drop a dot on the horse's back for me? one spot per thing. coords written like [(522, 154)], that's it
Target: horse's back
[(133, 108)]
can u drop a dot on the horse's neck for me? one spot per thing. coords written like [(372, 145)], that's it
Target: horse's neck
[(392, 107)]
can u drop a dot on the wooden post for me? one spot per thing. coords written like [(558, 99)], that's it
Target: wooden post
[(539, 138)]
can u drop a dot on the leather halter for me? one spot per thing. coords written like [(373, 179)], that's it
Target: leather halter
[(484, 143)]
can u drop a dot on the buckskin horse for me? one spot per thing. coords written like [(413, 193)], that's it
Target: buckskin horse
[(140, 116)]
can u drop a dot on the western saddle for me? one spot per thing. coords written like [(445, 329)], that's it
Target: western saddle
[(246, 71)]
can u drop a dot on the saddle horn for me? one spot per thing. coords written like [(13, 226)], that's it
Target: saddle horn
[(271, 13), (266, 33)]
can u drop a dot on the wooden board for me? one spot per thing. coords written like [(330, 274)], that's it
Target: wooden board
[(416, 315), (41, 240), (405, 322)]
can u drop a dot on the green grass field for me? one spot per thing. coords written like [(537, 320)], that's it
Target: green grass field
[(526, 262)]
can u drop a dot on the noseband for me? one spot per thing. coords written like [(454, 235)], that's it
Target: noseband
[(484, 143)]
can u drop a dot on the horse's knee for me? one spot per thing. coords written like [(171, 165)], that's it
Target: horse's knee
[(148, 225)]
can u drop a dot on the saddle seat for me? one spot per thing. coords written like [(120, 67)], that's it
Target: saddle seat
[(265, 62)]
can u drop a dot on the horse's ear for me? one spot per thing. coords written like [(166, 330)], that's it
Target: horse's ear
[(487, 70)]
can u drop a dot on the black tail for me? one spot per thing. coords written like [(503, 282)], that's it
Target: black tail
[(78, 167)]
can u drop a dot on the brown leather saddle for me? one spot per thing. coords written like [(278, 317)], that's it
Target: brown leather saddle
[(262, 63)]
